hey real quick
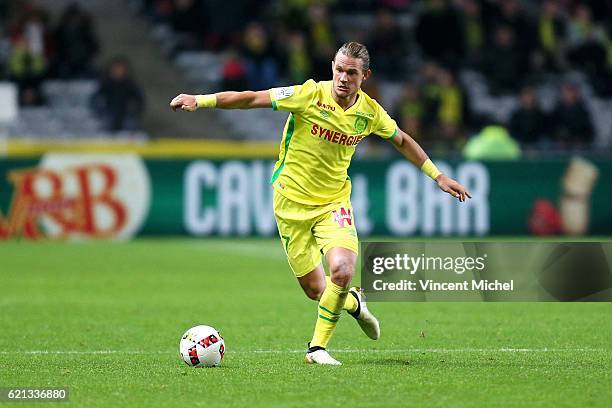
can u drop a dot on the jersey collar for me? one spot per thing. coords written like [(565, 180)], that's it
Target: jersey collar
[(352, 107)]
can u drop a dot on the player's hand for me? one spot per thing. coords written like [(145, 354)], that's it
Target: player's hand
[(452, 187), (185, 102)]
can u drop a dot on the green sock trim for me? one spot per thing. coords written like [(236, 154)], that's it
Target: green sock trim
[(329, 311), (337, 289), (334, 320)]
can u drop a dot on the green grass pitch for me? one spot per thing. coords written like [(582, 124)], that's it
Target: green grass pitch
[(104, 320)]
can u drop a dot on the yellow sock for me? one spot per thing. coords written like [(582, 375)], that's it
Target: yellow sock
[(350, 304), (330, 306)]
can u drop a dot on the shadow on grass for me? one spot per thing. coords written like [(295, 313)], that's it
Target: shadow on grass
[(493, 362), (390, 361), (208, 370)]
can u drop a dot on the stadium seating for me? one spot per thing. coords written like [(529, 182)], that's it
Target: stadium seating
[(66, 115)]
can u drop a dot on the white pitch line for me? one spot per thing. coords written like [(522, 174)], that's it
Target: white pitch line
[(81, 352), (441, 350), (412, 350)]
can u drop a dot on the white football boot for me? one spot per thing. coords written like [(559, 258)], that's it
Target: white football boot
[(318, 355), (366, 320)]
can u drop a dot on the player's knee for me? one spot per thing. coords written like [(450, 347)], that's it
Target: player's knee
[(342, 271), (314, 293)]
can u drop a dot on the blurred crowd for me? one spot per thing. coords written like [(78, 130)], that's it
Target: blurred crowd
[(433, 107), (36, 46), (423, 46)]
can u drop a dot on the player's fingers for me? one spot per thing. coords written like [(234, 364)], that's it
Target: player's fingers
[(456, 191), (462, 192), (450, 191), (458, 194)]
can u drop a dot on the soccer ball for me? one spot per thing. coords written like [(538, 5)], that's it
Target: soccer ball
[(202, 346)]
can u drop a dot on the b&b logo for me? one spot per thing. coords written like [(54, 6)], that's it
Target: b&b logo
[(343, 216), (78, 196)]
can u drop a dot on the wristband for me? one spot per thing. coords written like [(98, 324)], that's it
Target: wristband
[(430, 169), (206, 101)]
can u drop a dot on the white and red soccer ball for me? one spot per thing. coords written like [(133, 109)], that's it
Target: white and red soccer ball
[(202, 346)]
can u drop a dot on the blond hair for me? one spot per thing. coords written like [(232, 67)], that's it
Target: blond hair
[(356, 50)]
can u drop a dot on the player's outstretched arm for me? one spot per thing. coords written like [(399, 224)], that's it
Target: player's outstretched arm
[(413, 152), (223, 100)]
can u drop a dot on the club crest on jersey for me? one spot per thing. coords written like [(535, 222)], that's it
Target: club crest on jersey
[(360, 124), (343, 215), (324, 114)]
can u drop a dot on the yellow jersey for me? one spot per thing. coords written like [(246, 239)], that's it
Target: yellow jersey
[(319, 140)]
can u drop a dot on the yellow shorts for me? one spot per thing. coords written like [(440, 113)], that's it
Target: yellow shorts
[(308, 231)]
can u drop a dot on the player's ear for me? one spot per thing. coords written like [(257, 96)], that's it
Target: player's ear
[(366, 74)]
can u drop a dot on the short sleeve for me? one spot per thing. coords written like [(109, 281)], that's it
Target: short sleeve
[(294, 98), (384, 126)]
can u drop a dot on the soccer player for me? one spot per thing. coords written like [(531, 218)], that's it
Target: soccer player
[(312, 191)]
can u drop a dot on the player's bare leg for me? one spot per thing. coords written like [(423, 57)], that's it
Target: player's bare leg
[(313, 283), (341, 265), (342, 268)]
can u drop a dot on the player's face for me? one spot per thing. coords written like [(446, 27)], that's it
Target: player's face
[(348, 75)]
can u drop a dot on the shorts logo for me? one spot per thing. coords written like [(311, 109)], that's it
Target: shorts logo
[(285, 92), (360, 124), (342, 216)]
